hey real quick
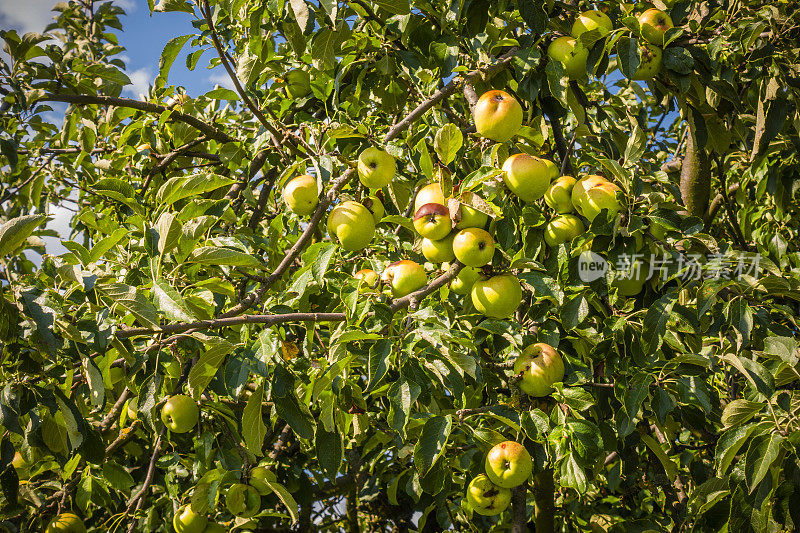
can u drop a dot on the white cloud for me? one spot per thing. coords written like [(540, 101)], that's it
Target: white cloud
[(141, 80), (221, 79)]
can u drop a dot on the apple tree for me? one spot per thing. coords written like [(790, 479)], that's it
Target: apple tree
[(469, 265)]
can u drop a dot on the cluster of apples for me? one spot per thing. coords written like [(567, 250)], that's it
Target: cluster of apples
[(570, 51), (507, 465)]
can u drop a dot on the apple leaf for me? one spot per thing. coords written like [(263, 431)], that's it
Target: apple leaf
[(253, 428), (432, 442), (628, 56), (448, 142), (181, 187), (14, 232), (207, 364), (285, 497)]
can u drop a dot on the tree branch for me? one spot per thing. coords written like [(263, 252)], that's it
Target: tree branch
[(558, 137), (519, 511), (544, 492)]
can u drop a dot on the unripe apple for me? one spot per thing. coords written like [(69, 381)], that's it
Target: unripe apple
[(375, 206), (474, 247), (572, 54), (653, 24), (376, 168), (471, 218), (486, 498), (243, 500), (369, 278), (352, 224), (439, 251), (599, 197), (180, 414), (498, 116), (650, 63), (555, 171), (630, 282), (539, 366), (526, 176), (498, 296), (187, 521), (298, 83), (301, 195), (404, 277), (581, 186), (592, 20), (66, 523), (466, 278), (432, 221), (429, 194), (561, 229), (508, 464), (559, 195), (259, 474)]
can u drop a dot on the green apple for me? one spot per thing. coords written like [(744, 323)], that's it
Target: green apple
[(375, 206), (369, 278), (439, 251), (601, 196), (526, 176), (650, 64), (539, 366), (570, 53), (508, 464), (561, 229), (66, 523), (404, 277), (180, 414), (376, 168), (474, 247), (559, 195), (301, 195), (486, 498), (298, 83), (432, 221), (213, 527), (653, 24), (498, 296), (243, 500), (592, 20), (260, 474), (429, 194), (187, 521), (555, 171), (471, 218), (466, 278), (630, 282), (352, 224), (581, 186), (497, 115)]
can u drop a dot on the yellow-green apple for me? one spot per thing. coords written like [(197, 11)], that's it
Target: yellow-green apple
[(539, 366), (570, 53), (601, 196), (369, 278), (243, 500), (404, 277), (473, 246), (592, 20), (432, 221), (66, 523), (631, 281), (526, 176), (376, 168), (498, 116), (555, 172), (498, 296), (187, 521), (559, 195), (297, 83), (429, 194), (561, 229), (259, 476), (466, 278), (375, 206), (581, 186), (508, 464), (352, 224), (650, 63), (471, 218), (180, 414), (439, 251), (486, 498), (301, 195), (653, 24)]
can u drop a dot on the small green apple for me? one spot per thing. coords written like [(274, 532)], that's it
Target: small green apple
[(592, 20), (439, 251), (187, 521), (526, 176), (352, 224), (508, 464), (650, 64), (486, 498), (474, 247), (180, 414), (539, 366), (376, 168), (581, 186), (404, 277), (631, 281), (559, 195), (466, 278), (653, 24), (243, 500), (561, 229), (375, 206), (498, 296), (297, 83), (66, 523), (570, 53), (497, 115), (429, 194), (260, 474), (432, 221), (369, 279), (301, 195), (471, 218)]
